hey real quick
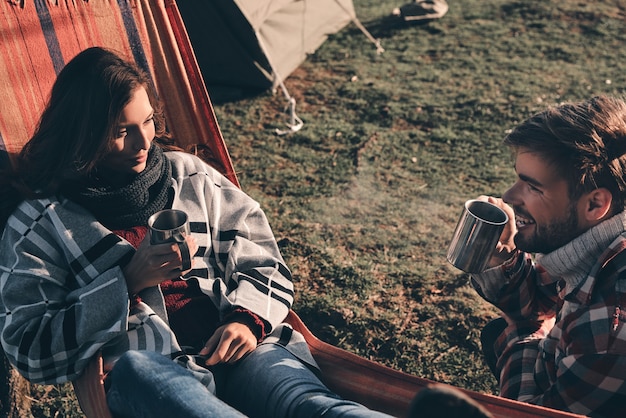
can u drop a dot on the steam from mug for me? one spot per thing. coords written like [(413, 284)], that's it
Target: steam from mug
[(476, 235), (171, 225)]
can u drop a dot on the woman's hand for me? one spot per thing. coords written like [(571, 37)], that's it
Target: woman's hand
[(505, 248), (229, 344), (154, 263)]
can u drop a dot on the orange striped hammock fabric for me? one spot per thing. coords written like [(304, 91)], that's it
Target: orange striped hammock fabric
[(37, 38)]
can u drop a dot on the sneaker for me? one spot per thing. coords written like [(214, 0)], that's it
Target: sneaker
[(424, 10)]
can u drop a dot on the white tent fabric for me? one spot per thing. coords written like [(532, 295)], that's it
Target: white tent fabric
[(288, 30)]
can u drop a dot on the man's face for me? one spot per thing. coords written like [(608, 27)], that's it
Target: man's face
[(545, 217)]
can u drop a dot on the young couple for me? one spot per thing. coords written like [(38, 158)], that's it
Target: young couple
[(78, 274)]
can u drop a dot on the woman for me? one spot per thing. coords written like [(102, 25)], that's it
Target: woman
[(78, 273)]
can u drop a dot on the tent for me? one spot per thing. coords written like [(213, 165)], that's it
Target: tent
[(244, 47), (248, 46)]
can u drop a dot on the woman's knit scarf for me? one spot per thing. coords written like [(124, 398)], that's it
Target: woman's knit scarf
[(122, 207)]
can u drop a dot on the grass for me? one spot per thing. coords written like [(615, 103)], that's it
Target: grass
[(364, 199)]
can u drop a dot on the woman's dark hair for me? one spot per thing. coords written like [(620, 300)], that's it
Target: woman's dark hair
[(79, 123), (585, 142)]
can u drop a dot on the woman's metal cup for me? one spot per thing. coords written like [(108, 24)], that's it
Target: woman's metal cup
[(171, 225), (476, 235)]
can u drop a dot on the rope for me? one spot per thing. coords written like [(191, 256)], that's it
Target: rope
[(357, 22)]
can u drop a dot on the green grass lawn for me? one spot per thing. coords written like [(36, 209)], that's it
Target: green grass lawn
[(363, 200)]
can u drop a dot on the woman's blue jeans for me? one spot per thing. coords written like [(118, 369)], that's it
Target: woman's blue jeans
[(148, 384), (270, 382)]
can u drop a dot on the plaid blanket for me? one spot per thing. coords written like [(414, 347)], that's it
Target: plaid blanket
[(63, 296)]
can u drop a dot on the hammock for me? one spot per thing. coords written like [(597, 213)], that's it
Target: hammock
[(37, 37)]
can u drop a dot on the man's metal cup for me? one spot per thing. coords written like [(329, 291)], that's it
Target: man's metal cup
[(171, 225), (476, 235)]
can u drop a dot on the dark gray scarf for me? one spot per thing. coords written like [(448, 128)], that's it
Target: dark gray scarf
[(128, 205)]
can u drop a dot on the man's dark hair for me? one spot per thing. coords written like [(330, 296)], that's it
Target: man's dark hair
[(585, 142)]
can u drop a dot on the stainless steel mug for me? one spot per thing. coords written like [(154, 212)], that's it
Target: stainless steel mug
[(171, 225), (476, 235)]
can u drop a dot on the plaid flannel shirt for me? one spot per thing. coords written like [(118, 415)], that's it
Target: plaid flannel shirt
[(63, 296), (565, 344)]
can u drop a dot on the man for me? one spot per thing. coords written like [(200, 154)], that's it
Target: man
[(562, 342)]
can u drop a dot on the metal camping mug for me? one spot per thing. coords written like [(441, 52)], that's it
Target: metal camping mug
[(476, 235), (171, 225)]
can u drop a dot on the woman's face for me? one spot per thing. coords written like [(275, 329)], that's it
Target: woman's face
[(129, 151)]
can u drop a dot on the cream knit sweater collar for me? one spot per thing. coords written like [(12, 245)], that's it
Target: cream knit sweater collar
[(573, 261)]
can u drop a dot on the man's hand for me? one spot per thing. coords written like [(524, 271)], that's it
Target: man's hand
[(505, 248), (229, 344)]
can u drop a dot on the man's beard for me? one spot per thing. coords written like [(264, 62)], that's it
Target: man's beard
[(547, 238)]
